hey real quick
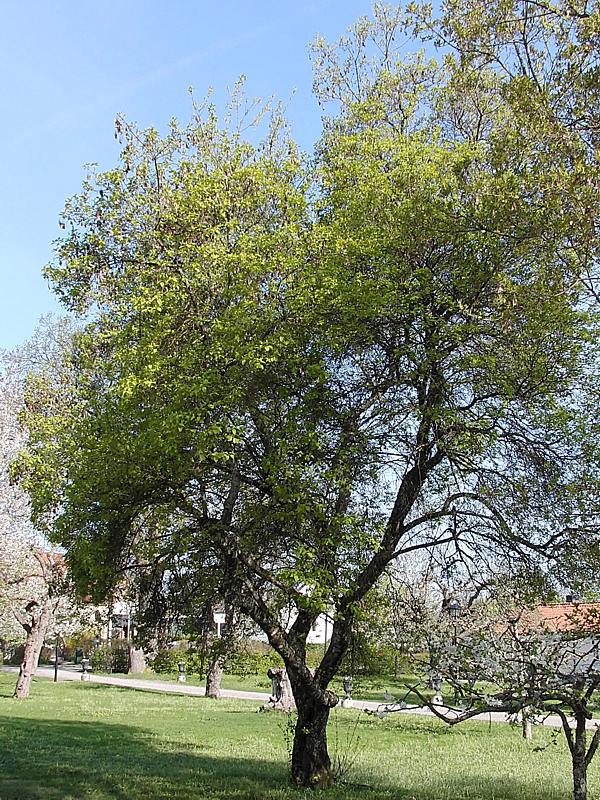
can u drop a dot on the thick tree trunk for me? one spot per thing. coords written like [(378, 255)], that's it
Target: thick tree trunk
[(214, 673), (36, 632), (311, 765), (137, 660)]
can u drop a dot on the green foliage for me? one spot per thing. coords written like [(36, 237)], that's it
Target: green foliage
[(166, 661), (13, 653), (294, 370), (111, 658), (246, 661), (248, 658), (83, 639)]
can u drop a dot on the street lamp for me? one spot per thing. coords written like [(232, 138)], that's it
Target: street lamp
[(56, 644), (453, 608)]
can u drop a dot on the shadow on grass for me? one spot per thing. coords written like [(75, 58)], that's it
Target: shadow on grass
[(75, 760), (68, 760), (97, 761), (44, 759)]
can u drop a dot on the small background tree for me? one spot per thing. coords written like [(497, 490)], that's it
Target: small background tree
[(508, 659)]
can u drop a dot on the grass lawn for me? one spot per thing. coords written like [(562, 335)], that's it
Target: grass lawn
[(77, 741), (363, 689)]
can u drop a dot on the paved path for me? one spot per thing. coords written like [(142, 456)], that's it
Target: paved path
[(73, 673)]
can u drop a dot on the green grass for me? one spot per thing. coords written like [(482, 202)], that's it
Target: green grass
[(363, 689), (77, 741)]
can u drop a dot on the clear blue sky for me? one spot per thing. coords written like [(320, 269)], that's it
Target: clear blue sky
[(67, 67)]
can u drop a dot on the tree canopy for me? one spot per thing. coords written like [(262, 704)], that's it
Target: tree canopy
[(294, 369)]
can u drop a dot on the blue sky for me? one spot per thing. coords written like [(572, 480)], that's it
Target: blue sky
[(67, 68)]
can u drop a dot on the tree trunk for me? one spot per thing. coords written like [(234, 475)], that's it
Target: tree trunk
[(579, 779), (36, 632), (221, 649), (311, 765), (137, 660), (526, 723), (578, 755), (214, 673), (203, 650)]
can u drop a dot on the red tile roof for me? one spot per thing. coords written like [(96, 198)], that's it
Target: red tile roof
[(567, 616)]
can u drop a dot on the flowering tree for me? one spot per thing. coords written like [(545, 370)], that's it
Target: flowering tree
[(34, 595), (516, 663)]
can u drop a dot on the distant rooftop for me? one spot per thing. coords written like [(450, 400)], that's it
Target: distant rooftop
[(560, 617)]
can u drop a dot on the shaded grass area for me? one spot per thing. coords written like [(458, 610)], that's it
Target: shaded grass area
[(90, 742)]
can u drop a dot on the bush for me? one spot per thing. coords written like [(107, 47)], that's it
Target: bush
[(249, 658), (252, 658), (83, 639), (13, 653), (111, 658), (166, 661), (101, 660)]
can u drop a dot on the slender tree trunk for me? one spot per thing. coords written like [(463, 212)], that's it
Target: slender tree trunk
[(526, 723), (204, 649), (578, 755), (222, 648), (36, 632), (311, 765)]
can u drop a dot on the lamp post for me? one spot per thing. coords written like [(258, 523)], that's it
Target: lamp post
[(454, 609), (56, 658)]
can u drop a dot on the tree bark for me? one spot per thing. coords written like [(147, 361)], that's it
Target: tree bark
[(578, 756), (221, 649), (311, 765), (214, 673), (526, 723), (137, 660), (36, 632), (579, 779)]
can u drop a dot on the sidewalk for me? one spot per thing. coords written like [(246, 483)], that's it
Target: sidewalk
[(73, 673)]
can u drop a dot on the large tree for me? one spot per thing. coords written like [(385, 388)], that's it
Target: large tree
[(294, 372)]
